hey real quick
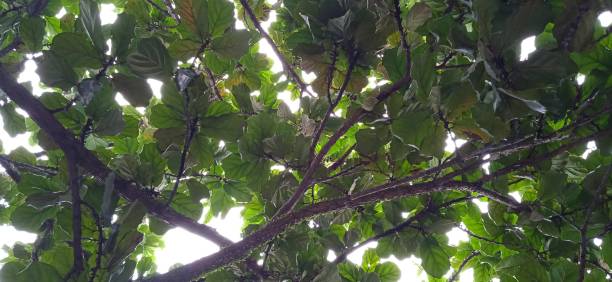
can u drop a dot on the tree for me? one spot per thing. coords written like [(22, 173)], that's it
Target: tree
[(394, 80)]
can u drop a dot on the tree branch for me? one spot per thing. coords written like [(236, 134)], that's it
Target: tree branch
[(397, 14), (88, 161), (465, 261), (100, 242), (75, 187), (286, 66), (331, 107), (316, 162), (584, 239)]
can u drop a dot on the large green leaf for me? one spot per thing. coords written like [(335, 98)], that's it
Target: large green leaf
[(90, 19), (14, 123), (55, 71), (76, 49), (232, 44), (150, 59), (435, 260), (32, 32), (135, 90)]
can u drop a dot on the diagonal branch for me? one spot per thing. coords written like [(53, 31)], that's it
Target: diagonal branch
[(463, 263), (286, 66), (316, 162), (88, 161)]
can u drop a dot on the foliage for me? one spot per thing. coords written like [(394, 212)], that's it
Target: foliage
[(393, 80)]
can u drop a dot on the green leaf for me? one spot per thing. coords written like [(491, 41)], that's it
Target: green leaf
[(418, 15), (232, 44), (423, 62), (227, 127), (328, 274), (14, 123), (30, 219), (220, 16), (220, 202), (39, 271), (90, 19), (606, 249), (135, 90), (370, 260), (388, 272), (369, 141), (122, 33), (435, 260), (54, 71), (76, 49), (523, 267), (32, 32), (164, 117), (419, 130), (552, 184), (197, 190), (150, 59)]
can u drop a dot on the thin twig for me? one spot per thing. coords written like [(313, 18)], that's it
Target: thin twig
[(584, 240), (100, 241), (397, 14), (286, 66), (191, 128), (463, 263), (213, 83), (13, 45), (342, 158), (331, 107)]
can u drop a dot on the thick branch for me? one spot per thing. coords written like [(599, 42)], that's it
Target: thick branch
[(88, 161), (243, 248)]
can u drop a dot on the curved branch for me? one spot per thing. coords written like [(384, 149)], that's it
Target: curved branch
[(463, 263)]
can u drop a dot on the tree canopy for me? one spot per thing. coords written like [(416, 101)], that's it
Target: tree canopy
[(363, 159)]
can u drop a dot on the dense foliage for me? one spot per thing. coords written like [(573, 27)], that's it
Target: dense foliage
[(362, 160)]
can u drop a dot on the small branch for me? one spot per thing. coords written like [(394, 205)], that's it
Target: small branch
[(465, 261), (100, 241), (75, 186), (288, 69), (397, 228), (442, 67), (13, 45), (330, 71), (159, 8), (585, 226), (211, 76), (342, 158), (397, 14), (354, 118), (191, 129), (332, 106), (471, 234)]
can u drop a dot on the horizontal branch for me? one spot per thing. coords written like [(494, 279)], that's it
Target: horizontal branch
[(242, 248)]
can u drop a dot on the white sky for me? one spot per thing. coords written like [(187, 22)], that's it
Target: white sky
[(184, 247)]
